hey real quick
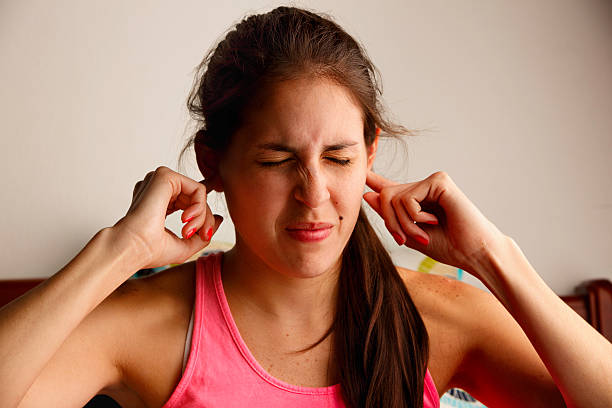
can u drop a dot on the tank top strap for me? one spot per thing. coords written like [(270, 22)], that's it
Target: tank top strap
[(430, 392)]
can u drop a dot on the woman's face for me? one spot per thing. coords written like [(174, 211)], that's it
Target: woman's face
[(294, 176)]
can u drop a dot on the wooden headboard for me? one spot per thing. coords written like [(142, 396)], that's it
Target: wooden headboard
[(592, 300), (12, 289)]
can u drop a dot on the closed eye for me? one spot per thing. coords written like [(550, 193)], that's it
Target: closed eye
[(342, 162), (274, 163)]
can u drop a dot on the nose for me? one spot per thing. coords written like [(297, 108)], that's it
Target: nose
[(312, 189)]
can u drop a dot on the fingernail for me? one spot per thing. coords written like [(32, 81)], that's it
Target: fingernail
[(209, 234), (398, 238), (190, 233), (421, 240), (434, 222), (190, 218)]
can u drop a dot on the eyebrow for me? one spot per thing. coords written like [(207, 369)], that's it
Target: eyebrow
[(277, 147)]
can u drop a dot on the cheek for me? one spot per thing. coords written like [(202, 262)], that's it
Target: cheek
[(253, 199), (349, 192)]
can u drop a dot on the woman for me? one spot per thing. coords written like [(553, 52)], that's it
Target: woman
[(307, 309)]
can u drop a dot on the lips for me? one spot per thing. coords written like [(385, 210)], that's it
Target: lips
[(309, 231), (309, 226)]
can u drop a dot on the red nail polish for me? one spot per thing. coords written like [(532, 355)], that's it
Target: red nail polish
[(398, 238), (421, 240), (190, 218), (190, 233), (434, 222), (209, 234)]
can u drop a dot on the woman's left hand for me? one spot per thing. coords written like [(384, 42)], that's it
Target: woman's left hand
[(449, 228)]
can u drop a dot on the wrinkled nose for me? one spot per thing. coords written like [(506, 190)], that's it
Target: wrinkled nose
[(312, 189)]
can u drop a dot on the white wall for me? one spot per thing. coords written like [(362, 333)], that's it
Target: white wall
[(517, 99)]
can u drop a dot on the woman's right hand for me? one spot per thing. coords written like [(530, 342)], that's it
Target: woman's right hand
[(158, 195)]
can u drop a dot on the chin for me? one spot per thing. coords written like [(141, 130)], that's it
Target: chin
[(313, 264)]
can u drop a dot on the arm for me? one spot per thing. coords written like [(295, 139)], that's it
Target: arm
[(45, 334), (34, 326), (434, 217), (578, 358)]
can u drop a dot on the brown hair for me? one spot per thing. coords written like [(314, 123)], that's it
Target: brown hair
[(380, 343)]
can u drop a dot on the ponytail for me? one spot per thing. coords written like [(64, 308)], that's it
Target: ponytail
[(381, 345)]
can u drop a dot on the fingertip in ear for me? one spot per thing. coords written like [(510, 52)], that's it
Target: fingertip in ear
[(372, 152), (217, 185)]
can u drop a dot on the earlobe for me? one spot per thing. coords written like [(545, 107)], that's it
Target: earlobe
[(208, 163)]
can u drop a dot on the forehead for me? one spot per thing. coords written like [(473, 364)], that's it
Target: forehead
[(301, 113)]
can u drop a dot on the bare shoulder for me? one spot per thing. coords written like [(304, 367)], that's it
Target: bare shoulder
[(176, 283), (447, 309), (164, 293), (441, 298), (154, 319), (473, 336)]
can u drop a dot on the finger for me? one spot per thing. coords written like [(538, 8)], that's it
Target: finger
[(373, 200), (391, 221), (193, 206), (376, 182), (172, 190), (208, 227), (197, 217), (184, 190), (208, 184), (409, 227), (414, 210), (141, 186), (197, 241), (136, 189)]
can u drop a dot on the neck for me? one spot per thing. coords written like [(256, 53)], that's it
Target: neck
[(277, 296)]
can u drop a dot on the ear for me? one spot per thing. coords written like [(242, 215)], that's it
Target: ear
[(208, 163), (371, 151)]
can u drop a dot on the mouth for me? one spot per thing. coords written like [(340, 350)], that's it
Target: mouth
[(309, 231)]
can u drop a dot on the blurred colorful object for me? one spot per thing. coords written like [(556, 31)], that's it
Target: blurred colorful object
[(458, 398), (429, 265)]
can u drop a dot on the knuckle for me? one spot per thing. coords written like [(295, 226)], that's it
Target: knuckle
[(441, 176), (407, 225), (161, 170), (385, 194)]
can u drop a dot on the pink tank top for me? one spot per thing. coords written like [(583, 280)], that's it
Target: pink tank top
[(222, 372)]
